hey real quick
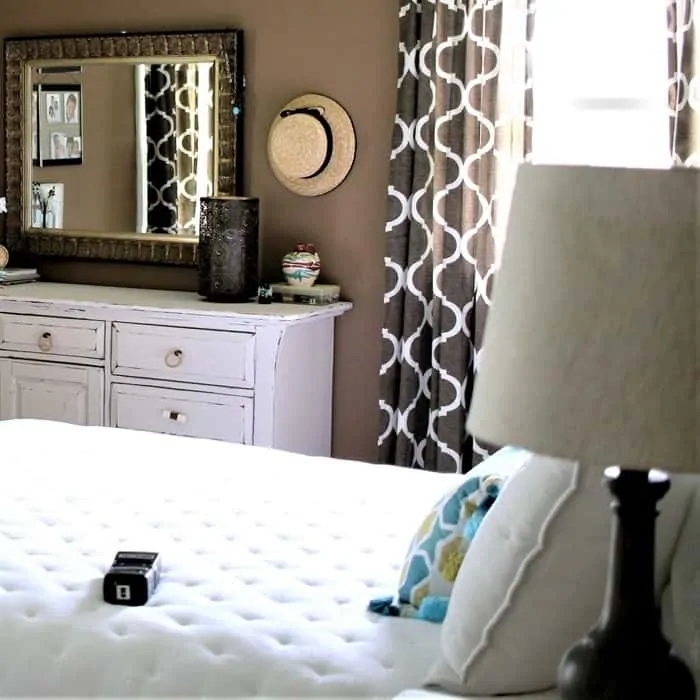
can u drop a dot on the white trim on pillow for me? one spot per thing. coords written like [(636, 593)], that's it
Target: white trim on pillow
[(499, 616)]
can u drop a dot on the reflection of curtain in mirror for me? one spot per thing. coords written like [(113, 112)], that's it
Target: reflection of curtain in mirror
[(175, 141)]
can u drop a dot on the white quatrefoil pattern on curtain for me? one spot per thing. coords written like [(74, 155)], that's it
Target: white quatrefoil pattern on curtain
[(462, 124), (177, 140), (683, 25)]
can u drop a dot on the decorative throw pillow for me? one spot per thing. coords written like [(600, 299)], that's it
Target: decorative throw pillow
[(681, 598), (533, 581), (439, 545), (438, 548)]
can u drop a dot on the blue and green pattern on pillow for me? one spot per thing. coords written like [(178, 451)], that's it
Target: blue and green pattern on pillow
[(443, 538)]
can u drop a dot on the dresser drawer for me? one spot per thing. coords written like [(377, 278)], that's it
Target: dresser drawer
[(183, 354), (178, 412), (52, 336)]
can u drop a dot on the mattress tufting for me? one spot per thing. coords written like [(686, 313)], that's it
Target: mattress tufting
[(269, 561)]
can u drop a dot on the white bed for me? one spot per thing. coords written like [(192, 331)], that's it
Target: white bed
[(269, 561)]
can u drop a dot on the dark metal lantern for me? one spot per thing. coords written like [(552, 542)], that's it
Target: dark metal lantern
[(228, 248)]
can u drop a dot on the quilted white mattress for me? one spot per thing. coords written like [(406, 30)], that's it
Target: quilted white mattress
[(269, 560)]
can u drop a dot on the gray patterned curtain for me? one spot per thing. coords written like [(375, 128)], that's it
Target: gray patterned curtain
[(161, 136), (684, 96), (172, 129), (462, 124)]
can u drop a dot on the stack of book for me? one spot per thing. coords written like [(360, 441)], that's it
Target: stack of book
[(18, 275), (317, 295)]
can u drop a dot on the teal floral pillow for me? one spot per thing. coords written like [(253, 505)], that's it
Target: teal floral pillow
[(438, 547)]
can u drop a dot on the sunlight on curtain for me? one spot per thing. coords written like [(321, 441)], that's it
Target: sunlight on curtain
[(514, 109), (205, 140), (182, 155), (141, 149), (600, 83)]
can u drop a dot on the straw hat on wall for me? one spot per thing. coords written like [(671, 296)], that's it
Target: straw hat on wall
[(311, 145)]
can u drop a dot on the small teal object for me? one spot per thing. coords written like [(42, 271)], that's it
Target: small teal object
[(264, 294), (386, 605), (433, 608)]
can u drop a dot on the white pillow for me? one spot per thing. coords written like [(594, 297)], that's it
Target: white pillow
[(681, 601), (533, 580)]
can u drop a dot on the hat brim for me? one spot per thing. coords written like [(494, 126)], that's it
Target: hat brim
[(343, 154)]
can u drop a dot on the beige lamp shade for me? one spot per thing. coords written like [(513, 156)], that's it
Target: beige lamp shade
[(590, 347)]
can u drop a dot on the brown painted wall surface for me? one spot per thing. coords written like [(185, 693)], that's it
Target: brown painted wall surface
[(343, 48)]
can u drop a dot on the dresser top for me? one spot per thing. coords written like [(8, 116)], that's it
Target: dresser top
[(43, 294)]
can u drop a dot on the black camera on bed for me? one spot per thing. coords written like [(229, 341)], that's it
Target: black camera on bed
[(132, 578)]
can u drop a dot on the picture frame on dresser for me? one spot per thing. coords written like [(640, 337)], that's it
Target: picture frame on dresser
[(47, 205), (57, 136)]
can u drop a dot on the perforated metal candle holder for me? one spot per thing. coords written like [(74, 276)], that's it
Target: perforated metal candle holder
[(228, 248)]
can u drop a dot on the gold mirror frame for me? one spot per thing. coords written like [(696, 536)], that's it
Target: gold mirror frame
[(161, 249)]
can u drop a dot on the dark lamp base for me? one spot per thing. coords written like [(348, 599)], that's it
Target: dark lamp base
[(625, 656)]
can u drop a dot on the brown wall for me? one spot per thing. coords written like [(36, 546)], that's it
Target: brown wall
[(109, 153), (344, 48)]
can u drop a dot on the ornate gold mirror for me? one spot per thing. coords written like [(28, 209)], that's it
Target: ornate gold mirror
[(110, 141)]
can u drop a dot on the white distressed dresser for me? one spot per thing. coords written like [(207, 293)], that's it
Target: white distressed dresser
[(169, 362)]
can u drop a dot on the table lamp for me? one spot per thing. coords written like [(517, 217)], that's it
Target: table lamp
[(590, 354)]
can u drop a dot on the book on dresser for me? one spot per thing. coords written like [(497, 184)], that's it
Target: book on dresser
[(18, 275)]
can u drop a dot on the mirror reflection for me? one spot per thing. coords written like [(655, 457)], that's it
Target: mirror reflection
[(122, 146)]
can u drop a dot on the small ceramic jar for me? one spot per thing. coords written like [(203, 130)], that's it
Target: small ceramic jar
[(301, 267)]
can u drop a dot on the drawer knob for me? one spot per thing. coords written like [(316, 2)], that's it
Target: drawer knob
[(175, 415), (45, 341), (174, 358)]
